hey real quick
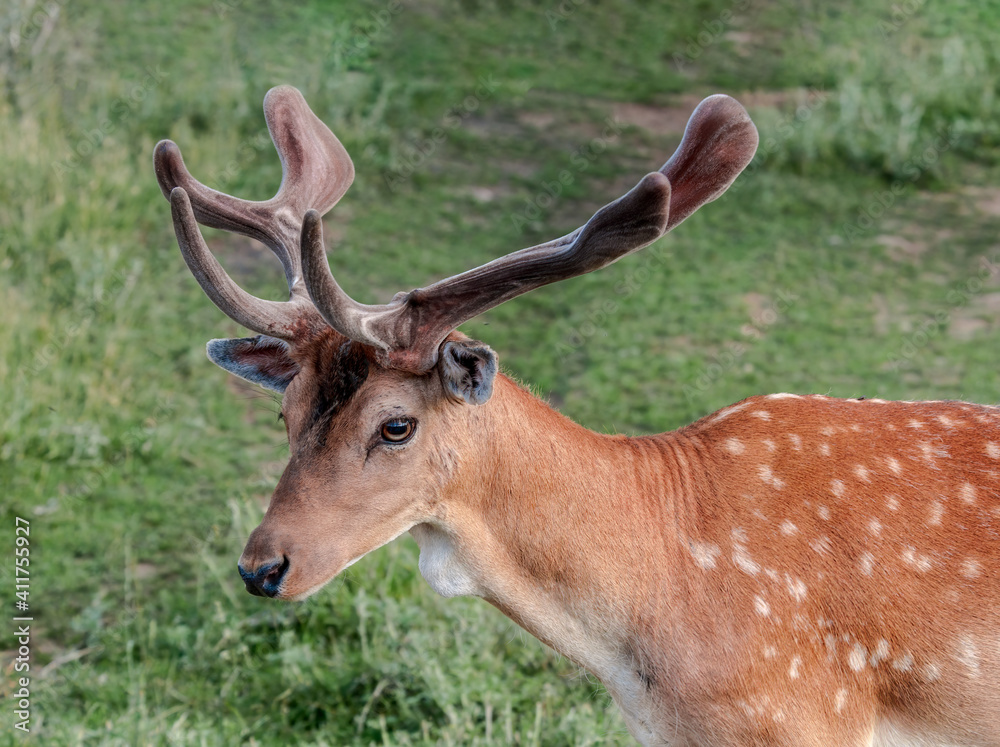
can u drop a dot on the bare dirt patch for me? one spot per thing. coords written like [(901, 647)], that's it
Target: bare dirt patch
[(985, 199), (658, 120), (902, 249)]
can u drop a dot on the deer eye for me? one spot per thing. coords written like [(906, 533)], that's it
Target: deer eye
[(398, 430)]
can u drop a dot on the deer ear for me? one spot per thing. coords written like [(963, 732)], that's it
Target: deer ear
[(260, 360), (467, 370)]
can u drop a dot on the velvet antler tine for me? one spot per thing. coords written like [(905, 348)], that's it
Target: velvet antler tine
[(719, 142), (316, 169), (316, 172), (219, 210), (410, 329), (266, 317), (354, 320)]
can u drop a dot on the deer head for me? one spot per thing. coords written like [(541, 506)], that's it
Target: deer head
[(384, 404)]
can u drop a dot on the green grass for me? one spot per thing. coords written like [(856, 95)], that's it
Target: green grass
[(143, 468)]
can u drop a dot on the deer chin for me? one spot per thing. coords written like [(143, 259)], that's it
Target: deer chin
[(290, 595)]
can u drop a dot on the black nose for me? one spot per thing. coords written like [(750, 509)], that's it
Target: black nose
[(266, 580)]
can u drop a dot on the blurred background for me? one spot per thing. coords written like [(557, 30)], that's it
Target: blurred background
[(856, 256)]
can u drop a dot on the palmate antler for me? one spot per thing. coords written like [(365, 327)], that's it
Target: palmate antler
[(718, 143)]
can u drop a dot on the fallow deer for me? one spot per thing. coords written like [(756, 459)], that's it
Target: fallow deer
[(790, 570)]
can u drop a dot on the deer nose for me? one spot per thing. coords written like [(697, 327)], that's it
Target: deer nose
[(266, 580)]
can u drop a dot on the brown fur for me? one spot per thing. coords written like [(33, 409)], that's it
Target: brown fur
[(788, 571)]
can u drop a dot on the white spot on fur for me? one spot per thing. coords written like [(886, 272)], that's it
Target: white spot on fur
[(914, 559), (903, 663), (704, 554), (796, 440), (734, 446), (762, 607), (744, 562), (837, 488), (796, 588), (992, 450), (821, 545), (725, 413), (770, 652), (767, 475), (840, 700), (866, 562), (881, 652), (857, 658), (824, 513), (892, 502), (932, 672), (894, 465), (824, 449), (861, 472), (762, 414), (769, 444), (788, 528), (915, 424), (784, 395), (971, 568), (741, 558), (875, 527), (793, 670), (929, 453), (967, 492), (946, 421), (967, 654), (827, 430), (937, 511)]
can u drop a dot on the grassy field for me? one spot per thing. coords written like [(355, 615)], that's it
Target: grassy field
[(857, 256)]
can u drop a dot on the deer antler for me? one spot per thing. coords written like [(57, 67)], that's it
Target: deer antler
[(718, 143), (316, 172)]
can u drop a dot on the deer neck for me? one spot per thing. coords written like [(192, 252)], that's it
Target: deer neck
[(564, 530)]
